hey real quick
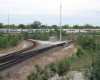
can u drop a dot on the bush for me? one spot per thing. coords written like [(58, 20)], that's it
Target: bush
[(80, 52), (25, 35), (93, 71), (3, 42), (73, 58), (14, 42), (52, 68), (19, 37), (38, 68), (44, 78), (63, 66), (32, 76)]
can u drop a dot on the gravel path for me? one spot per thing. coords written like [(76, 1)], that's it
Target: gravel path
[(44, 44)]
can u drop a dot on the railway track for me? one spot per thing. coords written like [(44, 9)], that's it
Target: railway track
[(20, 57), (17, 53)]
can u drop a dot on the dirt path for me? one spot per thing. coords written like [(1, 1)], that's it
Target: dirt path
[(42, 59)]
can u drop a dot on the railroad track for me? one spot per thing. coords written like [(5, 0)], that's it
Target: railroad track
[(17, 53), (20, 57)]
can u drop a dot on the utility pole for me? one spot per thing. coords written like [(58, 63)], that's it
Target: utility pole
[(8, 17), (46, 26), (60, 22)]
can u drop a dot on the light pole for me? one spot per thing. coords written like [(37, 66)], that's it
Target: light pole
[(60, 22), (8, 17)]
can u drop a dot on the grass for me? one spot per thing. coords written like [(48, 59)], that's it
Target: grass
[(78, 63)]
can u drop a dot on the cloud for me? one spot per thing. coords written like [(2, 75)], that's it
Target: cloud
[(73, 11), (69, 7)]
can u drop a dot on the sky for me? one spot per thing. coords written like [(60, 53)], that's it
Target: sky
[(74, 12)]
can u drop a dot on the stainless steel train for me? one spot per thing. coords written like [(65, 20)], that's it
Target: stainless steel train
[(46, 30)]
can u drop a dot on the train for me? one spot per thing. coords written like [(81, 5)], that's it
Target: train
[(47, 30)]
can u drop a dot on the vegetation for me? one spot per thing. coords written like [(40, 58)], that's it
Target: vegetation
[(86, 59), (9, 40), (39, 25), (91, 45), (63, 66), (45, 35), (50, 70)]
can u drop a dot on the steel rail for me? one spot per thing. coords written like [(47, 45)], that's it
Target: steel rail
[(28, 55), (11, 55)]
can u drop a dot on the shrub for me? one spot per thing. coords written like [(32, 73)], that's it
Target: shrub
[(3, 42), (38, 68), (80, 52), (93, 71), (32, 76), (19, 37), (63, 66), (73, 58), (52, 68), (14, 42)]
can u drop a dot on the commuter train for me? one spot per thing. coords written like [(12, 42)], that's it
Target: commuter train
[(47, 30)]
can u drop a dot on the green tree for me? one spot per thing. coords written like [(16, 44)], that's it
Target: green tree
[(65, 26), (21, 26), (76, 26), (43, 26), (28, 26), (1, 25), (36, 24), (88, 26), (54, 26), (25, 35)]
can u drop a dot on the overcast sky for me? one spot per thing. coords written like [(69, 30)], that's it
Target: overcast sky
[(74, 12)]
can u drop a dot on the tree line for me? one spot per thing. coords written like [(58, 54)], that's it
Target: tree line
[(39, 25)]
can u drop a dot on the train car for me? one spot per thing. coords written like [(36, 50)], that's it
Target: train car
[(87, 30), (24, 30), (30, 30), (19, 31), (45, 30), (3, 30), (72, 30), (13, 31)]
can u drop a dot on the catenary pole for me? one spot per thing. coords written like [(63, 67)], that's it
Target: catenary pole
[(60, 22), (8, 17)]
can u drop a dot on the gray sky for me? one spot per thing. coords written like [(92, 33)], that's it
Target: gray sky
[(74, 12)]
